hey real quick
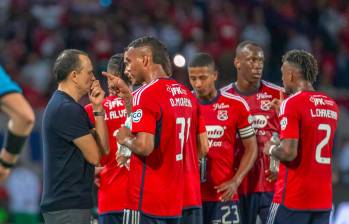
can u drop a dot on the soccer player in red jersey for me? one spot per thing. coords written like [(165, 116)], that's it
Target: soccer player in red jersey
[(112, 178), (162, 117), (226, 116), (308, 119), (256, 191), (195, 150)]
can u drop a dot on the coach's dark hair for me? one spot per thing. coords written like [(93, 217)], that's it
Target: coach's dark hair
[(201, 60), (305, 62), (158, 49), (244, 44), (117, 66), (66, 62)]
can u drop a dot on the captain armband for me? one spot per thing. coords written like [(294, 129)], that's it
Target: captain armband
[(246, 132), (14, 143)]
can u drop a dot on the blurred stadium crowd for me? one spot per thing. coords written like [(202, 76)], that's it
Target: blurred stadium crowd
[(34, 31)]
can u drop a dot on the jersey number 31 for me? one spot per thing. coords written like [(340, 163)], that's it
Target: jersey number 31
[(183, 125)]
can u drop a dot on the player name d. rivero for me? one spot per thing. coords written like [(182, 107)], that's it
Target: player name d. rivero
[(180, 102), (324, 113)]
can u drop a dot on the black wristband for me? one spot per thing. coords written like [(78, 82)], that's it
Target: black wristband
[(98, 113), (5, 164), (14, 143)]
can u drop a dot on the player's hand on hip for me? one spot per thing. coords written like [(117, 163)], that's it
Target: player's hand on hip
[(4, 173), (227, 189), (122, 134), (96, 94)]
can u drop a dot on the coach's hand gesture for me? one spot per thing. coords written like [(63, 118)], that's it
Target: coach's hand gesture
[(96, 94)]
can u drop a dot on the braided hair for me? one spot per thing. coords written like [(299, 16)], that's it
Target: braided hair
[(305, 62), (159, 51)]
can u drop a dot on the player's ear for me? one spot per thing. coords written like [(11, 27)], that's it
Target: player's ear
[(145, 60), (73, 76), (293, 75), (146, 56), (215, 75), (237, 63)]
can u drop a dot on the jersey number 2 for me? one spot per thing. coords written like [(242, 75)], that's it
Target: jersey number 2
[(181, 136), (324, 142)]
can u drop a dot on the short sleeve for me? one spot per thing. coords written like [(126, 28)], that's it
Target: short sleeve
[(244, 121), (201, 128), (72, 122), (289, 120), (145, 113), (6, 84), (89, 111)]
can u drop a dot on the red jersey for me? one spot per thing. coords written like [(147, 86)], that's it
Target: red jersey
[(225, 117), (113, 179), (192, 193), (265, 122), (162, 108), (306, 182)]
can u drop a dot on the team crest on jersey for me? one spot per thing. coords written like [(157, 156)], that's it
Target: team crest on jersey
[(220, 106), (283, 123), (265, 105), (222, 115), (137, 116)]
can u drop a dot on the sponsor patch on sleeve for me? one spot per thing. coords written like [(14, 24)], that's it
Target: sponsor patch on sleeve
[(137, 116), (250, 119), (283, 123)]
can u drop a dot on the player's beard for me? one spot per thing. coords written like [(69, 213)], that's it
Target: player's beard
[(289, 91)]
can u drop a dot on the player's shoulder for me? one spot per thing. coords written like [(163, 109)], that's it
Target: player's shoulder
[(322, 99), (234, 99), (271, 87), (291, 102), (227, 88), (4, 74), (147, 91)]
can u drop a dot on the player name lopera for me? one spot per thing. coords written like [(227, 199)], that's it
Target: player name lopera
[(324, 113)]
